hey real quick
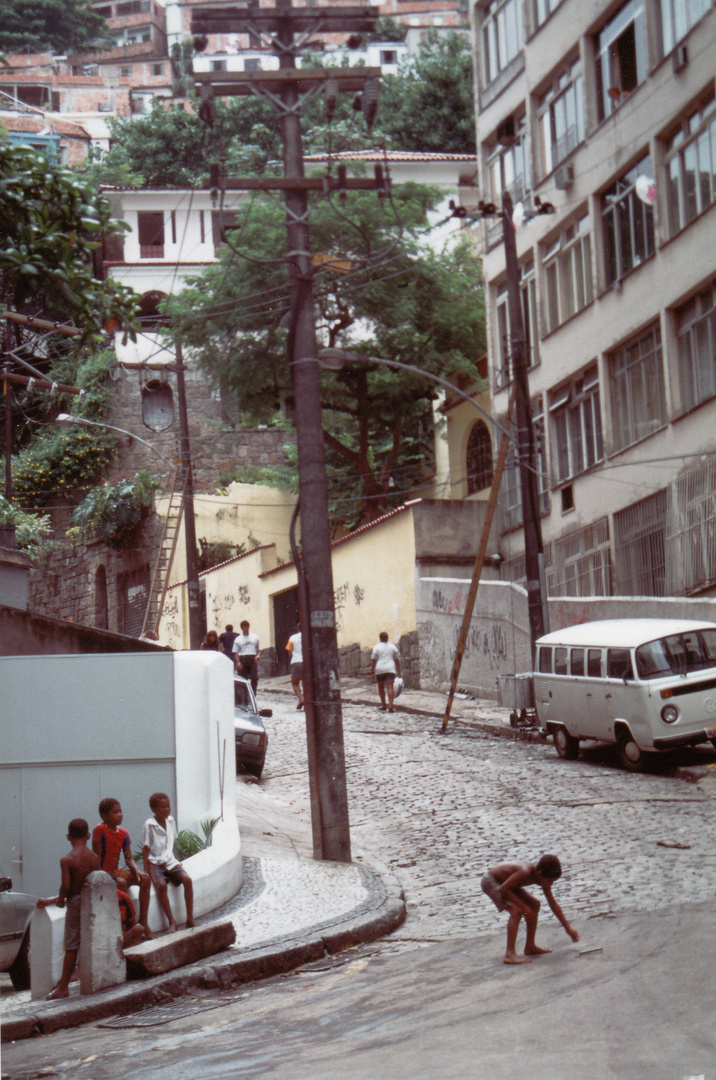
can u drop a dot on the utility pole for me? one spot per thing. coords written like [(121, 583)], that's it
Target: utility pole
[(192, 565), (324, 721), (525, 435)]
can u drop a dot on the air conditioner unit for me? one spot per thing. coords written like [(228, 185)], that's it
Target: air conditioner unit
[(506, 131), (679, 58), (564, 176)]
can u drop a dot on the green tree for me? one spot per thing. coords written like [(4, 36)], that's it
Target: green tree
[(50, 224), (377, 291), (429, 105), (173, 147), (51, 25)]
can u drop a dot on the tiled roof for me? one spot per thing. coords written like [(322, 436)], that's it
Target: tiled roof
[(391, 155)]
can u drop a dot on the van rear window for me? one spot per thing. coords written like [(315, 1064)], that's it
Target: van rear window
[(677, 654), (545, 659)]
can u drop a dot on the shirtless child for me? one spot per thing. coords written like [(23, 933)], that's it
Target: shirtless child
[(75, 867), (504, 884)]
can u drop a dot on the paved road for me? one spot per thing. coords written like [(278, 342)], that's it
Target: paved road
[(434, 999), (439, 810)]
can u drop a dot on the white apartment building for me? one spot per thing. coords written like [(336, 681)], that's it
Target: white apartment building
[(607, 111)]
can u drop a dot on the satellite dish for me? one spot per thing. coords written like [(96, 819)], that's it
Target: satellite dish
[(646, 189)]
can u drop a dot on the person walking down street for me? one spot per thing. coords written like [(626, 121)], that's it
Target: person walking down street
[(211, 641), (384, 666), (227, 639), (247, 650), (294, 649)]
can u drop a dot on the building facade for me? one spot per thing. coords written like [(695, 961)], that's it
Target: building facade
[(604, 114)]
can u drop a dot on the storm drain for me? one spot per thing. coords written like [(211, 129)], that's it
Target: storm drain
[(156, 1015)]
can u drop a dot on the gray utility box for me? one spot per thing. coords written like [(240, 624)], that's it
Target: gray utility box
[(516, 691)]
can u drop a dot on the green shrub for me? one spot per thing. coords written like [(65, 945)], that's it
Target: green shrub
[(115, 512)]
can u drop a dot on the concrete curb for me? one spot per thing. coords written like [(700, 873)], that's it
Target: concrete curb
[(384, 911)]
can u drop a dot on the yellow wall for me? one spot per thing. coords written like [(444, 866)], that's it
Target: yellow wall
[(249, 514)]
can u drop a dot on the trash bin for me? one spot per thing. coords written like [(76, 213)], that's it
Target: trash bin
[(515, 691)]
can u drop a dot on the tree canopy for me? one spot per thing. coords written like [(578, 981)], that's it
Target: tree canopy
[(50, 25), (50, 224), (377, 291)]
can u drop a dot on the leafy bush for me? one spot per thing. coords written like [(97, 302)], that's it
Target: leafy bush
[(32, 531), (188, 843), (115, 512)]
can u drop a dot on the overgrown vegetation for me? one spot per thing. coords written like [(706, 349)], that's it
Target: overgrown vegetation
[(114, 512), (33, 532)]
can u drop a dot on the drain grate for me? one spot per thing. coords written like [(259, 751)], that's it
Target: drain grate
[(156, 1015)]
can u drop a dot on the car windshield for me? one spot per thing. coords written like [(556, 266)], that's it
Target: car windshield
[(677, 654), (242, 697)]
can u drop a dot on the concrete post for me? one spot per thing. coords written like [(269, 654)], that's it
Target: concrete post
[(102, 961), (47, 950)]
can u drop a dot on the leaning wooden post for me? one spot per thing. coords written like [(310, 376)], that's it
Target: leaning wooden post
[(479, 559)]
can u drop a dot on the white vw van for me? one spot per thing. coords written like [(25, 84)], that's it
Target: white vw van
[(643, 684)]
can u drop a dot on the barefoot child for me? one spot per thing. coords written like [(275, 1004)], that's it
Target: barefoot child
[(160, 832), (504, 884), (110, 842), (75, 866)]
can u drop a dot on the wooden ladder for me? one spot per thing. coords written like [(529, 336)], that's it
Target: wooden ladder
[(165, 558)]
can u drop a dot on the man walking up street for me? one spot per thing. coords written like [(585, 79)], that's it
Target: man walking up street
[(246, 652)]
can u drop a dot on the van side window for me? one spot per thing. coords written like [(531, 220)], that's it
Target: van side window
[(619, 664), (545, 659), (578, 661), (560, 661), (594, 663)]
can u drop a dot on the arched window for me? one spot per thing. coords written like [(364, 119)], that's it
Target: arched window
[(479, 458)]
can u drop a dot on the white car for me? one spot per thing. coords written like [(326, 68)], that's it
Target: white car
[(15, 913)]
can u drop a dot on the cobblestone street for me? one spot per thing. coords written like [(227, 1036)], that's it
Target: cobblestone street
[(439, 810)]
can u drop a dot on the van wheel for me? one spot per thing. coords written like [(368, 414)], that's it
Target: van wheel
[(565, 744), (630, 756)]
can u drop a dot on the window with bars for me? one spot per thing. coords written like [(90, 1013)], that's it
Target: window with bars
[(627, 223), (502, 35), (690, 166), (510, 488), (577, 425), (636, 377), (508, 166), (678, 17), (696, 330), (691, 531), (581, 562), (639, 547), (479, 458), (560, 117), (567, 264), (528, 295), (620, 48)]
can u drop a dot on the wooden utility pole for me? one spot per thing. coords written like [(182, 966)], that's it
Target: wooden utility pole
[(327, 777), (525, 433)]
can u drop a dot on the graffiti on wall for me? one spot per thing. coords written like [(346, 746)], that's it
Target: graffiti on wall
[(489, 642), (171, 630), (341, 597), (450, 605)]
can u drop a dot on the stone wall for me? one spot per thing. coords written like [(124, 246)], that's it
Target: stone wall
[(85, 582), (217, 446), (355, 662)]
